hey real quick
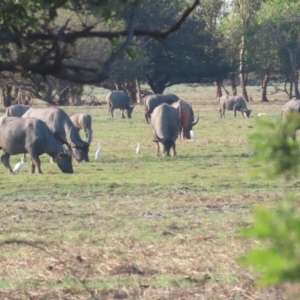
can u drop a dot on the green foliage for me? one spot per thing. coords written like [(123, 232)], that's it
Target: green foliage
[(274, 148), (279, 229)]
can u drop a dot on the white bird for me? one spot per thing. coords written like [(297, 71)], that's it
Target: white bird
[(138, 149), (193, 134), (261, 114), (19, 165), (98, 152)]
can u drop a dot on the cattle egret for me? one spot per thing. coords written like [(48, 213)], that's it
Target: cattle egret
[(193, 134), (138, 149), (19, 165), (98, 152), (261, 114)]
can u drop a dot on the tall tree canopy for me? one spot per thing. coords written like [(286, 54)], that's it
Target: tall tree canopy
[(34, 41)]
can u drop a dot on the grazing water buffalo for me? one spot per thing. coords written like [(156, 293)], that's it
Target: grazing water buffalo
[(30, 135), (186, 118), (83, 121), (165, 122), (290, 113), (119, 99), (63, 129), (153, 101), (234, 103), (16, 110)]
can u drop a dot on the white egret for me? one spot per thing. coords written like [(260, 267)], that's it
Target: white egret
[(193, 134), (98, 152), (138, 149), (261, 114), (19, 165)]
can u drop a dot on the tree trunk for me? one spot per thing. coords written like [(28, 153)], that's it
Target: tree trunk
[(233, 85), (6, 95), (131, 89), (138, 88), (48, 95), (242, 70), (291, 89), (64, 98), (218, 85), (293, 61), (75, 94), (264, 84)]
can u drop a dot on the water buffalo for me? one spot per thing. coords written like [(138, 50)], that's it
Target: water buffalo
[(186, 118), (291, 113), (165, 122), (234, 103), (153, 101), (83, 121), (119, 99), (30, 135), (63, 129), (16, 110)]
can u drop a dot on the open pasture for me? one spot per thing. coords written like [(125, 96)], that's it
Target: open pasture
[(139, 226)]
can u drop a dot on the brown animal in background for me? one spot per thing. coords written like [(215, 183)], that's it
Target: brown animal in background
[(83, 121), (186, 118)]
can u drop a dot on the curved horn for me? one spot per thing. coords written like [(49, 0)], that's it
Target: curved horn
[(89, 136), (195, 122), (158, 138), (69, 138)]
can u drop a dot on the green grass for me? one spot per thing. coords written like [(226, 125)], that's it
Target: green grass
[(140, 226)]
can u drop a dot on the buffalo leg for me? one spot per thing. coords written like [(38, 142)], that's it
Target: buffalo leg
[(5, 160), (222, 113), (122, 114), (36, 163), (174, 150), (234, 111), (111, 109), (157, 149)]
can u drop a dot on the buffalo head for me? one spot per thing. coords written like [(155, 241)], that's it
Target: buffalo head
[(64, 162), (165, 145), (129, 110), (247, 113), (80, 149)]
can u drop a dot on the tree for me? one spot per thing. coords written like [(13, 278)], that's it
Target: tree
[(244, 10), (190, 55), (283, 20), (33, 43)]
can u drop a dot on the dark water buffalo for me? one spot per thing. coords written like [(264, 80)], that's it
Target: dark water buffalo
[(235, 103), (153, 101), (120, 100), (186, 118), (83, 121), (291, 113), (30, 135), (63, 129), (165, 122), (16, 110)]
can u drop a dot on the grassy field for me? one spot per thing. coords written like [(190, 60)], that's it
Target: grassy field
[(139, 226)]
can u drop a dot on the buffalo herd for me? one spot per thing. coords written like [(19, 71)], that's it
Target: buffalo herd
[(26, 129)]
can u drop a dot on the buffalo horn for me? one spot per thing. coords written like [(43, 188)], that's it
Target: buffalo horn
[(195, 122), (160, 140)]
